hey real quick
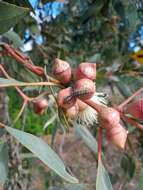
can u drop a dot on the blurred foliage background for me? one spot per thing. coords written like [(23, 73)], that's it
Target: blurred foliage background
[(106, 32)]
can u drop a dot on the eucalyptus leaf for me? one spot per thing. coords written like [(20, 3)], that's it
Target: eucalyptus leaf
[(123, 88), (14, 37), (49, 1), (12, 83), (103, 180), (3, 163), (132, 17), (26, 3), (128, 165), (87, 137), (9, 82), (74, 187), (68, 187), (43, 151), (10, 14), (119, 8), (95, 58), (23, 3)]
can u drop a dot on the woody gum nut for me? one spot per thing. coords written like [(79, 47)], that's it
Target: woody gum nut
[(110, 117), (86, 70), (84, 89), (62, 71), (72, 111), (65, 98), (136, 109), (40, 105), (117, 136)]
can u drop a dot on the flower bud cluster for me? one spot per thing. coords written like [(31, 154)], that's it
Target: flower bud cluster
[(80, 85), (79, 94)]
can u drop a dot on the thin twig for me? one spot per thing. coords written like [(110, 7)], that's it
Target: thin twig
[(21, 111), (29, 84), (18, 90), (132, 122), (27, 62), (120, 107)]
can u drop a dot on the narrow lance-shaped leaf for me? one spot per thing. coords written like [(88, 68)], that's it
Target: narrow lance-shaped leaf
[(3, 163), (48, 1), (26, 3), (12, 83), (103, 180), (14, 37), (43, 151), (9, 15), (87, 137)]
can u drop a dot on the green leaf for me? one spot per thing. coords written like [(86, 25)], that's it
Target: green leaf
[(23, 3), (26, 3), (48, 1), (10, 15), (128, 165), (74, 187), (35, 29), (87, 137), (119, 8), (140, 183), (103, 180), (43, 151), (10, 82), (68, 187), (93, 10), (132, 17), (3, 163), (95, 58), (123, 88), (14, 37)]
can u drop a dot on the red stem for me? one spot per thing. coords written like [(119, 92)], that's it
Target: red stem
[(132, 122), (120, 107), (26, 61), (21, 111), (26, 98)]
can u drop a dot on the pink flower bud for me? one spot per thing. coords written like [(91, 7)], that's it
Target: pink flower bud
[(72, 111), (110, 117), (117, 136), (86, 70), (62, 71), (65, 98), (40, 105), (84, 89)]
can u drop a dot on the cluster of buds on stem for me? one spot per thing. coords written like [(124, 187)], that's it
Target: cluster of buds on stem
[(79, 94), (80, 82), (79, 98)]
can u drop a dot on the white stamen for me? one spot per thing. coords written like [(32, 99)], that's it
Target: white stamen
[(89, 116)]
